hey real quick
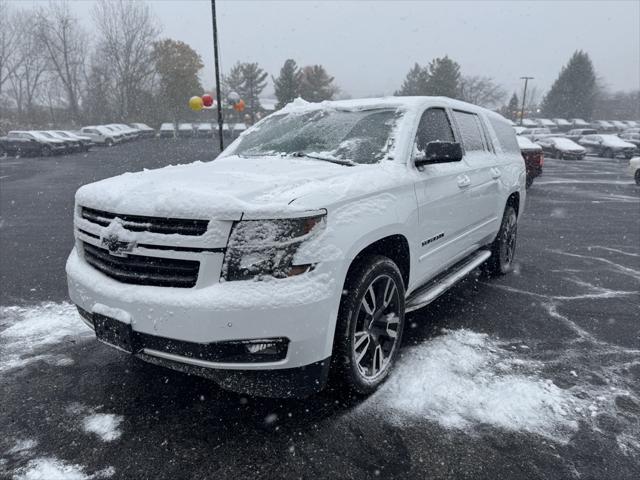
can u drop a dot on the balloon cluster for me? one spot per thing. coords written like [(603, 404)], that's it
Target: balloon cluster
[(206, 101)]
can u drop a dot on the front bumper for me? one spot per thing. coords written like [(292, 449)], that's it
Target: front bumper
[(301, 309)]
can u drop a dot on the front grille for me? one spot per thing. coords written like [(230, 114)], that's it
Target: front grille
[(143, 270), (137, 223)]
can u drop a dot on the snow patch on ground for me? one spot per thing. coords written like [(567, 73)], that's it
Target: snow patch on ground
[(50, 468), (463, 379), (104, 425), (23, 447), (30, 328)]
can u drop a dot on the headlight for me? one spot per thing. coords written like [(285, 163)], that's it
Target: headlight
[(259, 248)]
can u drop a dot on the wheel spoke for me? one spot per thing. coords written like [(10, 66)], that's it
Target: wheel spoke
[(369, 304), (360, 355), (360, 337), (389, 292), (378, 359)]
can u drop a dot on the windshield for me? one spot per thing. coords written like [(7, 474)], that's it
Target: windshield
[(357, 136)]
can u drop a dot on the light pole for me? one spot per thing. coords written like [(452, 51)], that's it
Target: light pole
[(217, 67), (524, 96)]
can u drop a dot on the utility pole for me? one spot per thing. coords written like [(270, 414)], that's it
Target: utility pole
[(217, 67), (524, 96)]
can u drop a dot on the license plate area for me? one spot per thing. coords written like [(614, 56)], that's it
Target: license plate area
[(115, 333)]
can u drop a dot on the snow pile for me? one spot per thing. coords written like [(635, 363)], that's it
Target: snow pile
[(49, 468), (30, 328), (464, 378), (105, 425)]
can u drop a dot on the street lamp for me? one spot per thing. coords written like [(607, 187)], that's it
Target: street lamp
[(217, 67), (524, 95)]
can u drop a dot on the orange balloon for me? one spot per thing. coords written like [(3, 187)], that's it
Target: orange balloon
[(196, 104), (239, 106)]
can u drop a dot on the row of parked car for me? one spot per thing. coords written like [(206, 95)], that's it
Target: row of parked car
[(564, 125), (50, 142), (203, 130), (576, 143), (535, 143)]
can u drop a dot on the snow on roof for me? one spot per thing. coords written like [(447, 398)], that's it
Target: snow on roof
[(525, 144)]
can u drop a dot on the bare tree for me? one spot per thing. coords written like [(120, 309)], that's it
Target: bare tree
[(8, 41), (31, 64), (64, 41), (482, 91), (127, 33)]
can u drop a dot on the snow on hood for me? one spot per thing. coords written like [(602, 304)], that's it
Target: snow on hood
[(229, 186)]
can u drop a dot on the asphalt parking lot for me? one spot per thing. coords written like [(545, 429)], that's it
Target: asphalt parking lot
[(534, 375)]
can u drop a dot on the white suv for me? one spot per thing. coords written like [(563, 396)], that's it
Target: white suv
[(294, 256)]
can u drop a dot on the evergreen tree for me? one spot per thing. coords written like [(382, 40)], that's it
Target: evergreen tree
[(512, 107), (253, 83), (316, 85), (444, 78), (287, 85), (415, 83), (574, 93), (232, 82)]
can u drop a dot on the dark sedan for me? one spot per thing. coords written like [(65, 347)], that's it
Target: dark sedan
[(562, 148)]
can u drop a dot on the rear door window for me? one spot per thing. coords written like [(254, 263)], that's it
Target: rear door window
[(470, 131)]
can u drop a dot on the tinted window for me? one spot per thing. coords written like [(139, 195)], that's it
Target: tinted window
[(469, 124), (434, 127), (506, 135)]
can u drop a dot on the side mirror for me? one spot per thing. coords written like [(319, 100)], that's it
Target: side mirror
[(440, 152)]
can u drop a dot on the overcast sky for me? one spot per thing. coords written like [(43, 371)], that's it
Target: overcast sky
[(370, 45)]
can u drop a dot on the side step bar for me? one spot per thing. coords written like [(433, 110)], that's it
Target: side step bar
[(432, 290)]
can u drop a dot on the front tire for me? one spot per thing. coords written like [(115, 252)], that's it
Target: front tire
[(609, 153), (503, 248), (45, 151), (369, 327)]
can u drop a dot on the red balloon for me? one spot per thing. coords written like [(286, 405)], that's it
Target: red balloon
[(207, 100)]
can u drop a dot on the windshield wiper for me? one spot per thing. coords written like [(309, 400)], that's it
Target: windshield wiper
[(339, 161)]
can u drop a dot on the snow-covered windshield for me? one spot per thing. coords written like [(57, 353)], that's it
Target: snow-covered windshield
[(362, 136), (565, 143)]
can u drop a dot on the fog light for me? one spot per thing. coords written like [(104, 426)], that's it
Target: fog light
[(259, 347)]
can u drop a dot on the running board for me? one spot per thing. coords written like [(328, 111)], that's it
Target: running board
[(432, 290)]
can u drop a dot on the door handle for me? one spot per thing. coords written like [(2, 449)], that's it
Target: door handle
[(496, 173), (463, 181)]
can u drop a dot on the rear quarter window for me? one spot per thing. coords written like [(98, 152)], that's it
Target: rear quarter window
[(506, 135)]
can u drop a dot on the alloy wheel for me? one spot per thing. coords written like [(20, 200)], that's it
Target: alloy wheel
[(376, 328)]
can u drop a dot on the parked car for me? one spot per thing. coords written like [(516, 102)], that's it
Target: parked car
[(45, 146), (144, 130), (17, 145), (546, 123), (529, 123), (579, 123), (167, 130), (563, 124), (632, 130), (303, 245), (562, 148), (185, 130), (126, 131), (618, 125), (204, 130), (631, 138), (72, 144), (634, 169), (535, 133), (86, 142), (602, 126), (577, 133), (533, 158), (101, 135), (632, 124), (609, 146)]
